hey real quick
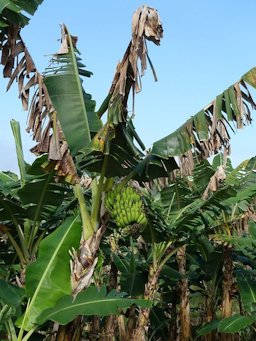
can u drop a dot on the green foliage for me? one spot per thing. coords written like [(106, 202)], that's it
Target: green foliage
[(133, 271), (207, 328), (92, 301), (48, 278), (11, 12), (75, 108), (11, 294), (235, 323), (41, 195), (247, 291), (40, 212)]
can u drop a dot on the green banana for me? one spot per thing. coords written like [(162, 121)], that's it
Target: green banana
[(125, 207)]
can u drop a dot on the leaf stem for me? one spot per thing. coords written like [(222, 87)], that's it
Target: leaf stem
[(32, 235), (133, 173), (17, 249), (21, 332), (19, 151), (97, 199), (86, 219), (27, 336), (22, 242), (19, 231), (166, 258), (11, 329), (36, 244)]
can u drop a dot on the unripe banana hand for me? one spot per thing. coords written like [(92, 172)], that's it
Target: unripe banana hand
[(125, 207)]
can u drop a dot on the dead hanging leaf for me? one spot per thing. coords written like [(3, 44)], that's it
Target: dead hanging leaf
[(146, 25), (212, 125), (64, 47), (19, 66), (218, 177)]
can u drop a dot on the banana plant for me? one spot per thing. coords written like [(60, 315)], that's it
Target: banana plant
[(79, 146)]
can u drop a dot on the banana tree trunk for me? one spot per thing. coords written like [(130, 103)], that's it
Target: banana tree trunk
[(227, 288), (173, 330), (185, 324), (209, 305), (111, 321), (141, 330), (82, 269), (72, 331)]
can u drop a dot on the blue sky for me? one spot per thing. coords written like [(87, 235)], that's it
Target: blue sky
[(207, 46)]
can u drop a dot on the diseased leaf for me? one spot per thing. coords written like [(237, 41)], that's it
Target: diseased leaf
[(209, 132), (201, 125), (228, 107), (218, 107), (92, 301), (250, 77)]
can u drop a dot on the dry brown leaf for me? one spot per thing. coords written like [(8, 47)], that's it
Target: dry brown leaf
[(146, 24), (18, 65), (218, 177)]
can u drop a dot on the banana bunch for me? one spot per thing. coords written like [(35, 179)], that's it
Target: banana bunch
[(125, 206)]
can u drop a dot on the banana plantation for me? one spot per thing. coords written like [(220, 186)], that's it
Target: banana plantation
[(103, 239)]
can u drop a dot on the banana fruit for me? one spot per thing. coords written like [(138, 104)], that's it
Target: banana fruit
[(125, 207)]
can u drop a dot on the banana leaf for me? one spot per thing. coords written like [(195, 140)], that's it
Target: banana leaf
[(48, 278), (64, 86), (124, 157), (207, 328), (92, 301), (11, 208), (132, 275), (235, 323), (247, 292), (12, 12), (207, 132), (11, 294), (41, 195)]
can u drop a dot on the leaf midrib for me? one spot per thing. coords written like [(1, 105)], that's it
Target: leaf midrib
[(40, 204), (104, 300)]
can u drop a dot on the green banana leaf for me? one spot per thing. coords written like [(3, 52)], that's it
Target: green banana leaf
[(92, 301), (11, 294), (196, 213), (74, 107), (207, 328), (132, 275), (9, 184), (123, 160), (48, 278), (199, 135), (19, 150), (212, 123), (7, 177), (41, 195), (176, 195), (235, 323), (12, 12), (247, 291), (11, 209)]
